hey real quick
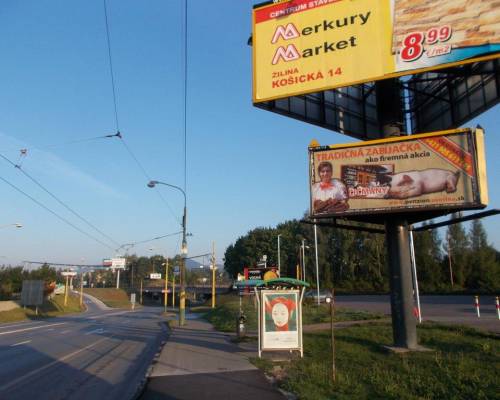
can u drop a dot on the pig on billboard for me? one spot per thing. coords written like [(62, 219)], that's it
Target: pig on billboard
[(444, 170)]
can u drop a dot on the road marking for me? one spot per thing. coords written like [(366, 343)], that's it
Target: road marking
[(66, 331), (30, 329), (20, 343), (38, 370), (100, 330), (107, 315)]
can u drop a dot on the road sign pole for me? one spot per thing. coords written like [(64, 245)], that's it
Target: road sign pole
[(389, 106), (118, 279)]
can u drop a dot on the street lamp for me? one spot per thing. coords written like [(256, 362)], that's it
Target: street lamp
[(184, 252), (303, 248), (279, 258), (17, 225)]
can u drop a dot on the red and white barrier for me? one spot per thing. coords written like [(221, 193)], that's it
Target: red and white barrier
[(498, 307), (476, 305)]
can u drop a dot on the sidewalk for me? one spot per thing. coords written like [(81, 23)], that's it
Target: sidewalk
[(198, 362)]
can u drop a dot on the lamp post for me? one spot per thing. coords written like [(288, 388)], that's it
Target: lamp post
[(17, 225), (279, 258), (303, 248), (184, 251)]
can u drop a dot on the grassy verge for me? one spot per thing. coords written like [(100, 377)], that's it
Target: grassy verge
[(116, 298), (464, 364), (52, 308), (223, 317)]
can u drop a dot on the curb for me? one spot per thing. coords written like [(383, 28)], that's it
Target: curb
[(144, 381)]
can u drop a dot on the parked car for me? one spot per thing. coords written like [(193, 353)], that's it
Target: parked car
[(312, 295)]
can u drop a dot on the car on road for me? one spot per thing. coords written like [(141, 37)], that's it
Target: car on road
[(312, 295)]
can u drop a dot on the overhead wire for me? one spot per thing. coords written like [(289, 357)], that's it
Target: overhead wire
[(132, 244), (111, 65), (54, 213), (59, 200), (185, 88), (118, 133)]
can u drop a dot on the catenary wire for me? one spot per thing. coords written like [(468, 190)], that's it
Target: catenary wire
[(185, 89), (118, 134), (55, 214), (60, 201), (111, 66)]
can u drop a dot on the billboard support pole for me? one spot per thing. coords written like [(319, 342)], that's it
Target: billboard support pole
[(118, 278), (404, 327)]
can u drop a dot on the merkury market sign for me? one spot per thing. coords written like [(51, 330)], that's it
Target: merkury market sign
[(303, 46)]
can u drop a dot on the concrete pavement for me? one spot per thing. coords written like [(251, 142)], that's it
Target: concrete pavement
[(198, 362)]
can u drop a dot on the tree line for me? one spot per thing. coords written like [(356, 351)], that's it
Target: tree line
[(11, 278), (355, 261)]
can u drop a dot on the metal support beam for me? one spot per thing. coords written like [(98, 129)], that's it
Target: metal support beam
[(398, 248)]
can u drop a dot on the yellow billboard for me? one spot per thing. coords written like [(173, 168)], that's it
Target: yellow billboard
[(302, 46), (444, 170)]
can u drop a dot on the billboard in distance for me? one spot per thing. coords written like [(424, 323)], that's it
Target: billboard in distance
[(444, 170), (306, 46)]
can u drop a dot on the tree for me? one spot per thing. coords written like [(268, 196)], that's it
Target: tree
[(428, 259), (457, 248), (483, 267)]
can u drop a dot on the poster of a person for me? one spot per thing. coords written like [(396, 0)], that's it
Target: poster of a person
[(280, 320), (330, 194), (280, 313)]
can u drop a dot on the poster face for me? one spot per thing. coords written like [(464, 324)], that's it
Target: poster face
[(304, 46), (419, 172), (280, 319)]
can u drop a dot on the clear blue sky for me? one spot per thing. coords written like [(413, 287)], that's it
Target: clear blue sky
[(245, 167)]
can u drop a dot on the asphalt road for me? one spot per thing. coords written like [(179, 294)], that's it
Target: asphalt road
[(445, 309), (99, 354)]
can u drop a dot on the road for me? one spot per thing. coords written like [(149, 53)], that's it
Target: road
[(446, 309), (102, 353)]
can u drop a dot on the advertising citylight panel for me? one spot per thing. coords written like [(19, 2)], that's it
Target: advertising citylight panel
[(281, 320), (306, 46), (444, 170)]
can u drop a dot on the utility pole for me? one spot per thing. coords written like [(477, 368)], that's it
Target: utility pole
[(316, 253), (213, 274), (141, 293), (81, 290), (165, 297), (173, 290)]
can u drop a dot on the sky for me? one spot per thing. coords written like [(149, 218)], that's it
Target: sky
[(246, 167)]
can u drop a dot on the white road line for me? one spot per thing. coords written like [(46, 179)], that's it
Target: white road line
[(107, 315), (20, 343), (30, 329), (100, 330), (38, 370), (66, 331)]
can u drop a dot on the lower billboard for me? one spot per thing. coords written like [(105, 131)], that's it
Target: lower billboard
[(434, 171)]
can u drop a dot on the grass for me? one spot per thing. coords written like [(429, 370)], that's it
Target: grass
[(52, 308), (464, 364), (223, 317), (112, 297)]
